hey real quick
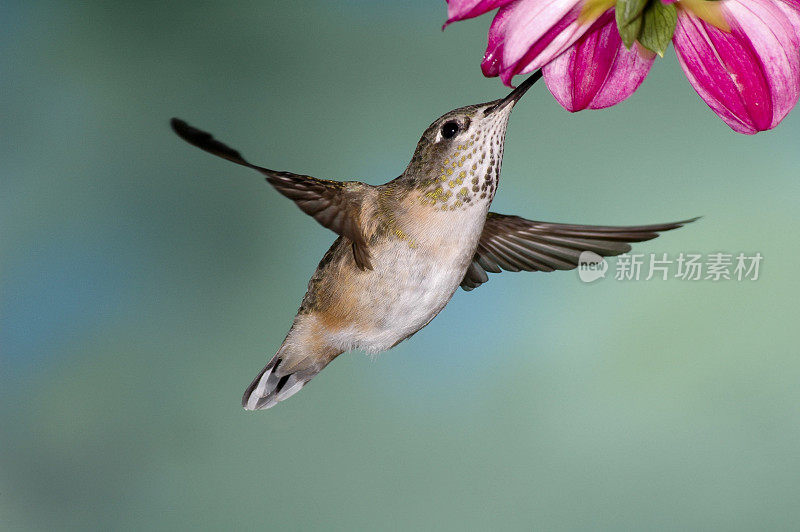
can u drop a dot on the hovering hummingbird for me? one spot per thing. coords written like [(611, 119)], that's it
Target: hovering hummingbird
[(406, 246)]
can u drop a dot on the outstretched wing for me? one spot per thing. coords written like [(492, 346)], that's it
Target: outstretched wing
[(334, 204), (513, 244)]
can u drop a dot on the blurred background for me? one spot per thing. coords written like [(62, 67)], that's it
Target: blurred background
[(143, 284)]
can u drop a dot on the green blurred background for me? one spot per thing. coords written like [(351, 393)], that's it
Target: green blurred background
[(144, 283)]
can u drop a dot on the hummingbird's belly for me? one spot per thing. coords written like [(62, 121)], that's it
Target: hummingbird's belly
[(408, 286), (408, 297)]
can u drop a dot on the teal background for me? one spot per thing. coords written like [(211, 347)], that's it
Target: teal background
[(143, 283)]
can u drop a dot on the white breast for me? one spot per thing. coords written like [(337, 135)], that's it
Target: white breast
[(414, 278)]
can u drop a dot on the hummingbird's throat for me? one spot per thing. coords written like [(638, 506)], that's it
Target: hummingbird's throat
[(468, 176)]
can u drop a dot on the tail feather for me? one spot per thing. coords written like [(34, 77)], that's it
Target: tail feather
[(280, 380)]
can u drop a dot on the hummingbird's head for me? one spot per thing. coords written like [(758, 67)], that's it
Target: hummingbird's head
[(464, 148)]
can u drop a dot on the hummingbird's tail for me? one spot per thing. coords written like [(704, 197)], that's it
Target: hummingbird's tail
[(284, 376)]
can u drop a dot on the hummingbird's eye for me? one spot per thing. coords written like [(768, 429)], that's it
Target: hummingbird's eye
[(449, 129)]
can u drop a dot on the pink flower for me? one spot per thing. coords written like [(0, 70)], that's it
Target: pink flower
[(741, 56), (749, 76), (598, 71), (471, 8)]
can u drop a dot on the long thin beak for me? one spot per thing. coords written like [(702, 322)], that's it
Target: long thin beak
[(516, 94)]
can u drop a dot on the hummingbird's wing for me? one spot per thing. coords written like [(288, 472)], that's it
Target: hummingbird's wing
[(334, 204), (512, 243)]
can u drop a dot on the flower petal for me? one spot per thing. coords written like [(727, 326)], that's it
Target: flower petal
[(528, 34), (750, 77), (791, 8), (463, 9), (598, 71), (493, 57)]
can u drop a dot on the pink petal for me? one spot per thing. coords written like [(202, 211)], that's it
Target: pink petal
[(463, 9), (528, 34), (492, 58), (750, 77), (794, 4), (791, 8), (598, 71)]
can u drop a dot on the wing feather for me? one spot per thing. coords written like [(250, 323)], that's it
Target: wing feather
[(334, 204), (515, 244)]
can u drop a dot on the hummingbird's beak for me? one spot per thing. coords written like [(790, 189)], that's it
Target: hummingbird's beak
[(516, 94)]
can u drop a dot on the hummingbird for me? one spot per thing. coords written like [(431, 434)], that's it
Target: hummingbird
[(405, 247)]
